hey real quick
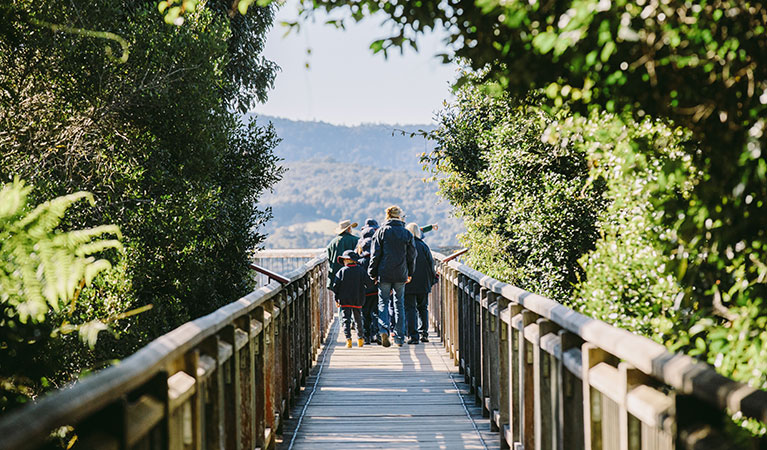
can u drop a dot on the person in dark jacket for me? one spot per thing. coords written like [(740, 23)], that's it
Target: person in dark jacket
[(343, 241), (370, 307), (370, 224), (417, 291), (392, 263), (349, 286)]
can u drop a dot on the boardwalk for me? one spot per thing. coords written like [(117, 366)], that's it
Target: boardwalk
[(375, 397)]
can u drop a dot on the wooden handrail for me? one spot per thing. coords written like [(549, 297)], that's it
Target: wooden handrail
[(491, 327), (455, 255), (269, 273), (181, 375)]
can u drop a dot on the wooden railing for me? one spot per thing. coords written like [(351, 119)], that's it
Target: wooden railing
[(551, 378), (282, 261), (223, 381)]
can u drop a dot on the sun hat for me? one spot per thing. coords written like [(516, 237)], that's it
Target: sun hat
[(344, 224), (414, 229), (348, 254)]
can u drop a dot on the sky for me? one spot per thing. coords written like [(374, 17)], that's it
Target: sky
[(346, 84)]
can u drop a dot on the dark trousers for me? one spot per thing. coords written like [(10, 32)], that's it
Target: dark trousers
[(370, 316), (417, 315), (347, 312)]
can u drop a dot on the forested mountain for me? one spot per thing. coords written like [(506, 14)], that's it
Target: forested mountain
[(337, 172), (382, 146)]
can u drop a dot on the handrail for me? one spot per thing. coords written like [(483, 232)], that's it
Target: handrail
[(455, 255), (486, 324), (269, 273), (290, 253), (160, 372)]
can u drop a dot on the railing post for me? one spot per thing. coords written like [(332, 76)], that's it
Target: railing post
[(267, 363), (232, 337), (630, 428), (527, 382), (515, 369), (252, 380), (486, 355), (570, 417), (283, 338), (544, 407), (476, 348), (592, 399)]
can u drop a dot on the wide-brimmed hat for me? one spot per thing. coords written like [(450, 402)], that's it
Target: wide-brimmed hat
[(344, 224), (348, 254)]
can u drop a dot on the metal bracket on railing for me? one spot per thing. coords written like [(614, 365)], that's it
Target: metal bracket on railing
[(455, 255), (269, 273)]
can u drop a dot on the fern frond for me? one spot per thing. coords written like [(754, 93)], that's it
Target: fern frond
[(48, 215), (42, 268)]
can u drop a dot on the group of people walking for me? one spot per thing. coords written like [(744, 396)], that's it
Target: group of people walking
[(382, 281)]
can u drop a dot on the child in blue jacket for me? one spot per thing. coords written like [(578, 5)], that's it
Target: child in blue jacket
[(349, 286)]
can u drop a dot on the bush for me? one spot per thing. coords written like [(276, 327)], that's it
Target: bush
[(529, 206)]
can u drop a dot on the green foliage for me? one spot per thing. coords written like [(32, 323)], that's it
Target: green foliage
[(43, 268), (576, 208), (529, 207), (42, 274), (630, 278), (158, 142)]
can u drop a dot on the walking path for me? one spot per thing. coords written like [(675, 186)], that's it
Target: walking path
[(375, 397)]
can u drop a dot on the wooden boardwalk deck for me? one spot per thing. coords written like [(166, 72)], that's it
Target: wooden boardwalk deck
[(376, 397)]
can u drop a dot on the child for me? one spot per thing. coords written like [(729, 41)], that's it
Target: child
[(349, 286)]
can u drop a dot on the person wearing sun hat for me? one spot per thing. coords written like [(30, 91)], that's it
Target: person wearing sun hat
[(349, 287), (344, 240)]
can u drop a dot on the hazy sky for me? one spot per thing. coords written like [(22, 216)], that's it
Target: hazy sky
[(345, 82)]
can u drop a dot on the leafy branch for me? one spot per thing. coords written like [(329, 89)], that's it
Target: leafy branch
[(42, 269)]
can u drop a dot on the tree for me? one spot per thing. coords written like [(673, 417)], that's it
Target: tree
[(155, 137)]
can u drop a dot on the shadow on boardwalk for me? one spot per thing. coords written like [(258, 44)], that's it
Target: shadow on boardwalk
[(376, 397)]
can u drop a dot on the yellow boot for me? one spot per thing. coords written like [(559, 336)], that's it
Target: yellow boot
[(348, 343), (360, 342)]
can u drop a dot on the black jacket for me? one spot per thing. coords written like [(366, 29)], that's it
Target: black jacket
[(424, 276), (349, 286), (364, 247), (392, 254)]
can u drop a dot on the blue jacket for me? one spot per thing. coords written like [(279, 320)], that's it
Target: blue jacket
[(392, 254), (424, 276), (349, 286)]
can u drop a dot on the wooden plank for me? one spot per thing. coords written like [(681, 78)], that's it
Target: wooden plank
[(375, 397), (141, 416)]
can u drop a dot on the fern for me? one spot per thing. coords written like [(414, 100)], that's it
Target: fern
[(41, 267)]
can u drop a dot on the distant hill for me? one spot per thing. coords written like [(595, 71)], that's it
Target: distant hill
[(382, 146), (336, 172)]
